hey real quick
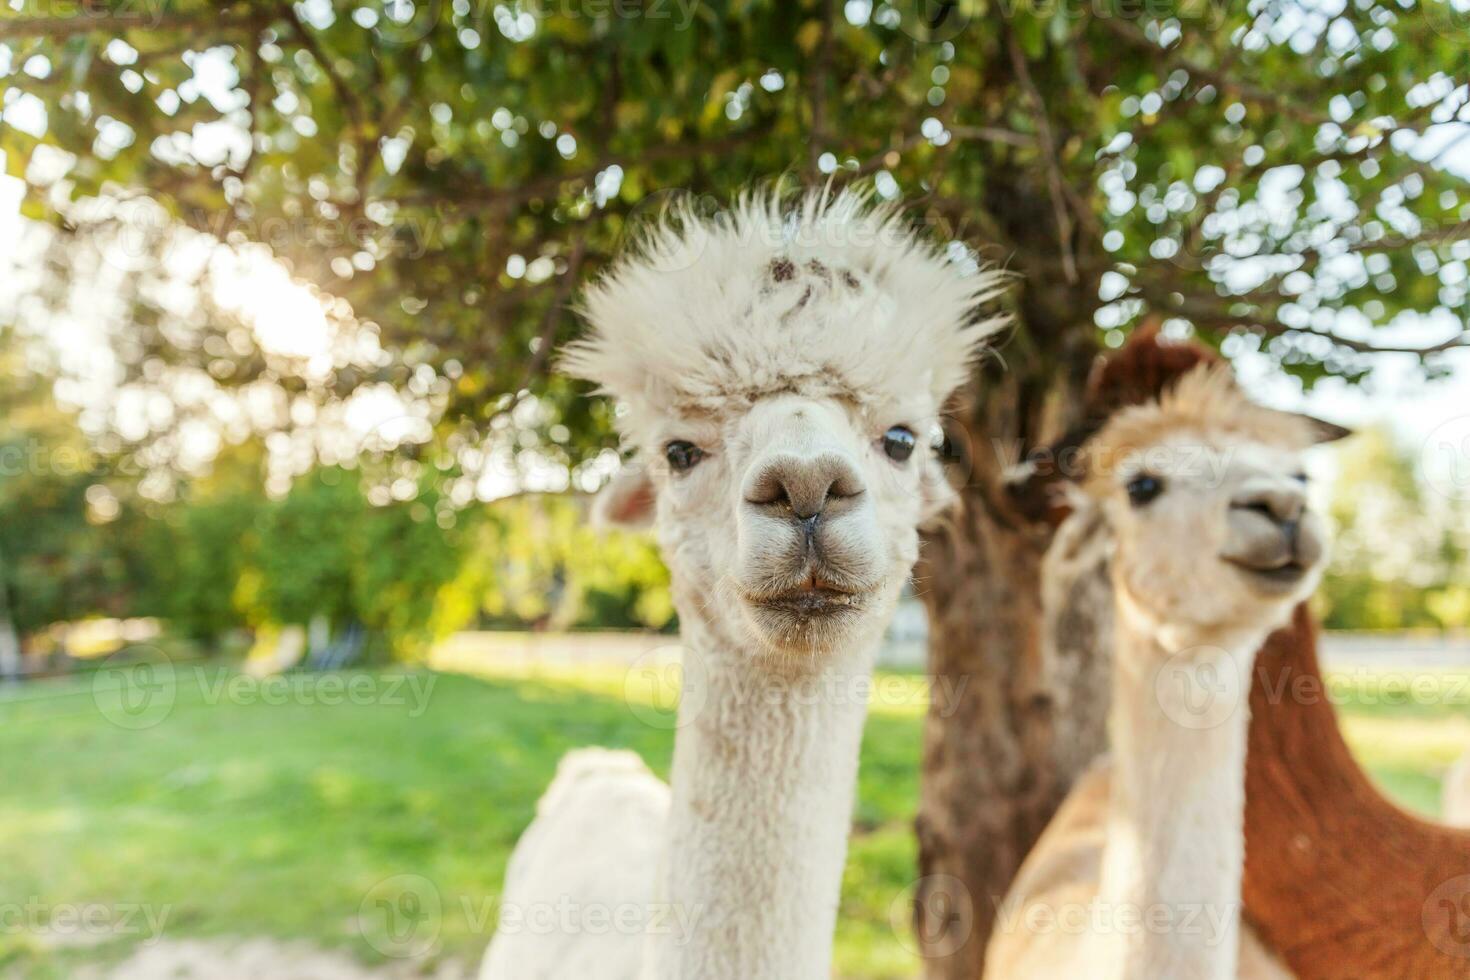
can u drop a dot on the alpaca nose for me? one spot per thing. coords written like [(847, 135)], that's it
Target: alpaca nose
[(1280, 502), (1269, 527), (805, 488)]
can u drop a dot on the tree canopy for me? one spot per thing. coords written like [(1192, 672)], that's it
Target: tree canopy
[(1282, 179), (1268, 174)]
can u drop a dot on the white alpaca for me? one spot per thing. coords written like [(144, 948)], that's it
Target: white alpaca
[(1454, 794), (1139, 874), (779, 376)]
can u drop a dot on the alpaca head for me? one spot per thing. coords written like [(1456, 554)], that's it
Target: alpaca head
[(1205, 495), (779, 377)]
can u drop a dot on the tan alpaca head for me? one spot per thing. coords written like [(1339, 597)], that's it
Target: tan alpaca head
[(1205, 494), (779, 376)]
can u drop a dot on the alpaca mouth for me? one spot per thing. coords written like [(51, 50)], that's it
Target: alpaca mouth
[(1275, 579), (811, 603)]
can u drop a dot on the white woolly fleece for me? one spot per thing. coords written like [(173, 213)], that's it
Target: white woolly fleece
[(832, 297), (758, 334), (593, 849)]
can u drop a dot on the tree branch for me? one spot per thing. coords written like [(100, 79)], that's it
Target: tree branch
[(1313, 256), (1131, 34), (308, 39), (1208, 312), (817, 93), (1276, 328), (500, 200), (88, 21), (992, 134), (1065, 228), (553, 317)]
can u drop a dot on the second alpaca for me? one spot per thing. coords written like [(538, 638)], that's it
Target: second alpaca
[(1214, 545)]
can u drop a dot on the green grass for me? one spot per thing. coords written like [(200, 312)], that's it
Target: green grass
[(1408, 728), (239, 816)]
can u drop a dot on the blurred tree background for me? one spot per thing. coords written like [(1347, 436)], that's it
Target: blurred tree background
[(437, 177), (221, 554), (1401, 559)]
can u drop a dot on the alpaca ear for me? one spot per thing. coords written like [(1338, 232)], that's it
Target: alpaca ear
[(1319, 431), (626, 501), (1326, 431)]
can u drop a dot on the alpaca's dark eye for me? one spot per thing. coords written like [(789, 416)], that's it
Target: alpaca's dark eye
[(1142, 489), (899, 442), (682, 455), (1300, 477)]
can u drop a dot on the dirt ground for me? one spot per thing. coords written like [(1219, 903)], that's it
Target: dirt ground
[(261, 959)]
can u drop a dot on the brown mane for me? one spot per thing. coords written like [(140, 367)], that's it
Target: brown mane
[(1141, 369), (1339, 881), (1135, 374)]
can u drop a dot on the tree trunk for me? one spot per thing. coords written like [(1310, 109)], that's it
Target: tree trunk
[(988, 782), (1001, 750), (10, 663), (10, 657)]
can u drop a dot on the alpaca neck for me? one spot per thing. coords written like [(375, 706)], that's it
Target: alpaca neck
[(1174, 855), (765, 767)]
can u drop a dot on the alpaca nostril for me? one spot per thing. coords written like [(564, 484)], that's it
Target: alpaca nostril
[(804, 488), (769, 490), (1291, 529), (1279, 505)]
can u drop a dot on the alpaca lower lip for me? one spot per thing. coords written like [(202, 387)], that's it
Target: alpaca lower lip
[(811, 602), (1280, 578)]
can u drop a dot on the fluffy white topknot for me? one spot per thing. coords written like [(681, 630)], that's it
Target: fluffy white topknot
[(830, 296)]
